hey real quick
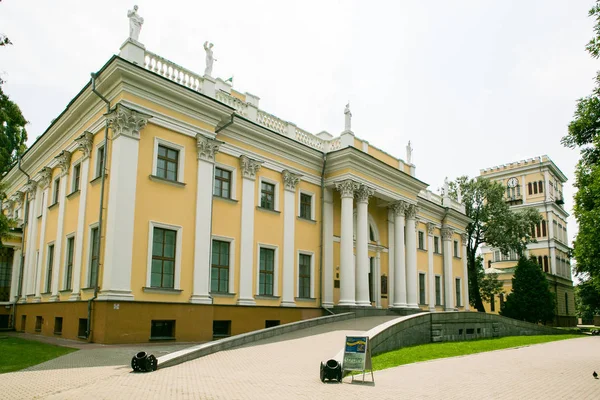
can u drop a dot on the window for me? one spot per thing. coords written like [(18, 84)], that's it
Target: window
[(384, 285), (221, 329), (94, 257), (501, 300), (6, 258), (543, 228), (82, 328), (566, 304), (269, 323), (306, 206), (421, 288), (304, 267), (529, 190), (493, 303), (436, 245), (38, 323), (222, 183), (50, 265), (267, 195), (458, 297), (41, 210), (167, 163), (76, 177), (438, 290), (266, 272), (540, 187), (219, 274), (58, 321), (163, 258), (69, 266), (162, 329), (497, 255), (456, 253), (99, 161), (538, 230), (540, 262), (56, 190), (421, 240), (545, 263)]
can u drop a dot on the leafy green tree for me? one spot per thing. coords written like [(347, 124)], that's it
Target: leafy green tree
[(587, 300), (493, 223), (584, 134), (488, 284), (530, 299)]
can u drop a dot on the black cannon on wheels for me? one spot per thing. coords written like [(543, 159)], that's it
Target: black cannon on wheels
[(331, 370), (142, 362)]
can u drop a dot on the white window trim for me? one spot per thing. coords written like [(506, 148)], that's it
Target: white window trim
[(312, 272), (88, 255), (424, 290), (275, 268), (231, 242), (56, 189), (178, 251), (64, 259), (456, 302), (424, 240), (441, 303), (41, 210), (312, 203), (262, 179), (439, 244), (180, 157), (96, 159), (233, 186), (73, 176), (47, 265)]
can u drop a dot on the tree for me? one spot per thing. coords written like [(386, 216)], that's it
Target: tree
[(530, 299), (488, 284), (584, 134), (587, 300), (493, 223)]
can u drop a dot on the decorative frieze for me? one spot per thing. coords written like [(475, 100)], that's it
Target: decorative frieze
[(430, 228), (124, 121), (290, 180), (363, 193), (447, 233), (84, 143), (249, 167), (45, 177), (64, 162), (207, 148), (347, 187)]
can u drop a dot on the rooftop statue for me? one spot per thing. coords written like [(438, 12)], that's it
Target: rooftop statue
[(348, 114), (409, 150), (209, 58), (135, 24)]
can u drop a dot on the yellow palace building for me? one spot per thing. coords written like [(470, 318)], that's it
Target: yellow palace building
[(164, 204), (536, 183)]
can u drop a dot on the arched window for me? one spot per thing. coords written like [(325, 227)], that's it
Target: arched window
[(529, 187), (538, 231), (545, 263), (540, 262), (535, 188), (543, 228), (371, 234), (541, 187)]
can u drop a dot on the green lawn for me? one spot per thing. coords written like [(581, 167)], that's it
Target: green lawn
[(16, 354), (432, 351)]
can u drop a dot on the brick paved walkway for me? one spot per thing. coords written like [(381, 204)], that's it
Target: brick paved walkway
[(286, 367)]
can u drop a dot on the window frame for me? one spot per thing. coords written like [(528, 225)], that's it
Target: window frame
[(421, 240), (436, 245), (438, 280), (68, 280), (90, 256), (76, 178), (99, 162), (312, 204), (311, 271), (219, 266), (178, 251), (180, 158), (456, 249), (55, 190), (233, 181), (422, 289), (275, 269), (458, 291), (232, 260), (215, 179), (49, 266), (262, 179)]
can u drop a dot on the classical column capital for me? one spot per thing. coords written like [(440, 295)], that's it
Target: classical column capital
[(399, 208), (207, 148), (347, 187), (127, 122), (464, 238), (17, 198), (363, 193), (249, 167), (84, 143), (290, 180), (430, 228), (31, 188), (45, 176), (64, 162), (411, 211), (447, 233)]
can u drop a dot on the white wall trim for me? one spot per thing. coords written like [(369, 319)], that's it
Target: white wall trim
[(312, 272), (456, 301), (276, 266), (180, 158), (231, 241), (233, 186), (262, 179), (178, 251)]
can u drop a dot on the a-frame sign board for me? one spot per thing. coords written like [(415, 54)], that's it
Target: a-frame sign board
[(357, 356)]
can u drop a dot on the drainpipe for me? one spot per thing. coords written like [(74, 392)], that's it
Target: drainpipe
[(20, 281), (101, 209), (226, 125), (321, 233)]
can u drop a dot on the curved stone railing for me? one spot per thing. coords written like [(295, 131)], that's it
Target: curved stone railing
[(172, 71)]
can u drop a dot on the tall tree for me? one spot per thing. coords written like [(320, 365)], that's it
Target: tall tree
[(530, 299), (587, 300), (493, 223), (584, 134)]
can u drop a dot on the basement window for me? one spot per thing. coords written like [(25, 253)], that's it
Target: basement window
[(269, 323), (162, 329), (221, 329), (58, 322), (82, 329), (38, 323)]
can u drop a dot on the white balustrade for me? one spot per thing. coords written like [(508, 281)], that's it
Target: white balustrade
[(172, 71), (240, 106), (309, 139), (272, 122)]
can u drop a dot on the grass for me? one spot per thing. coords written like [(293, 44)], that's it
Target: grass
[(408, 355), (16, 353)]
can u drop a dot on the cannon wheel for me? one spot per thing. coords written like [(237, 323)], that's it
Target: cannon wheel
[(322, 373)]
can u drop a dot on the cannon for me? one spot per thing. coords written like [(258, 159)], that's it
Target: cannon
[(331, 370), (142, 362)]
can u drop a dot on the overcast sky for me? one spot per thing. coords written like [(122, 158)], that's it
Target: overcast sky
[(472, 84)]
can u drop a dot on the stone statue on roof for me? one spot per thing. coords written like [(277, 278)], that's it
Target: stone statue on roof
[(135, 24), (348, 114), (409, 150), (209, 58)]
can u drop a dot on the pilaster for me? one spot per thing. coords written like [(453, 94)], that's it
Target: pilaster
[(411, 256), (16, 270), (290, 182), (399, 209), (45, 177), (430, 271), (448, 277), (30, 259), (64, 163)]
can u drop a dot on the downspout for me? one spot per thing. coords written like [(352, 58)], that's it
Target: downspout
[(21, 271), (101, 209), (322, 233), (226, 125)]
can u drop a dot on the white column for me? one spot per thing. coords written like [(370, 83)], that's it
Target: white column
[(411, 257), (16, 270), (546, 185), (362, 245), (465, 289), (553, 260), (448, 277), (85, 145), (377, 280), (391, 257), (207, 149), (430, 272), (289, 242), (328, 249), (120, 216), (64, 162), (249, 168), (524, 189), (347, 278), (46, 174), (399, 256), (30, 258)]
